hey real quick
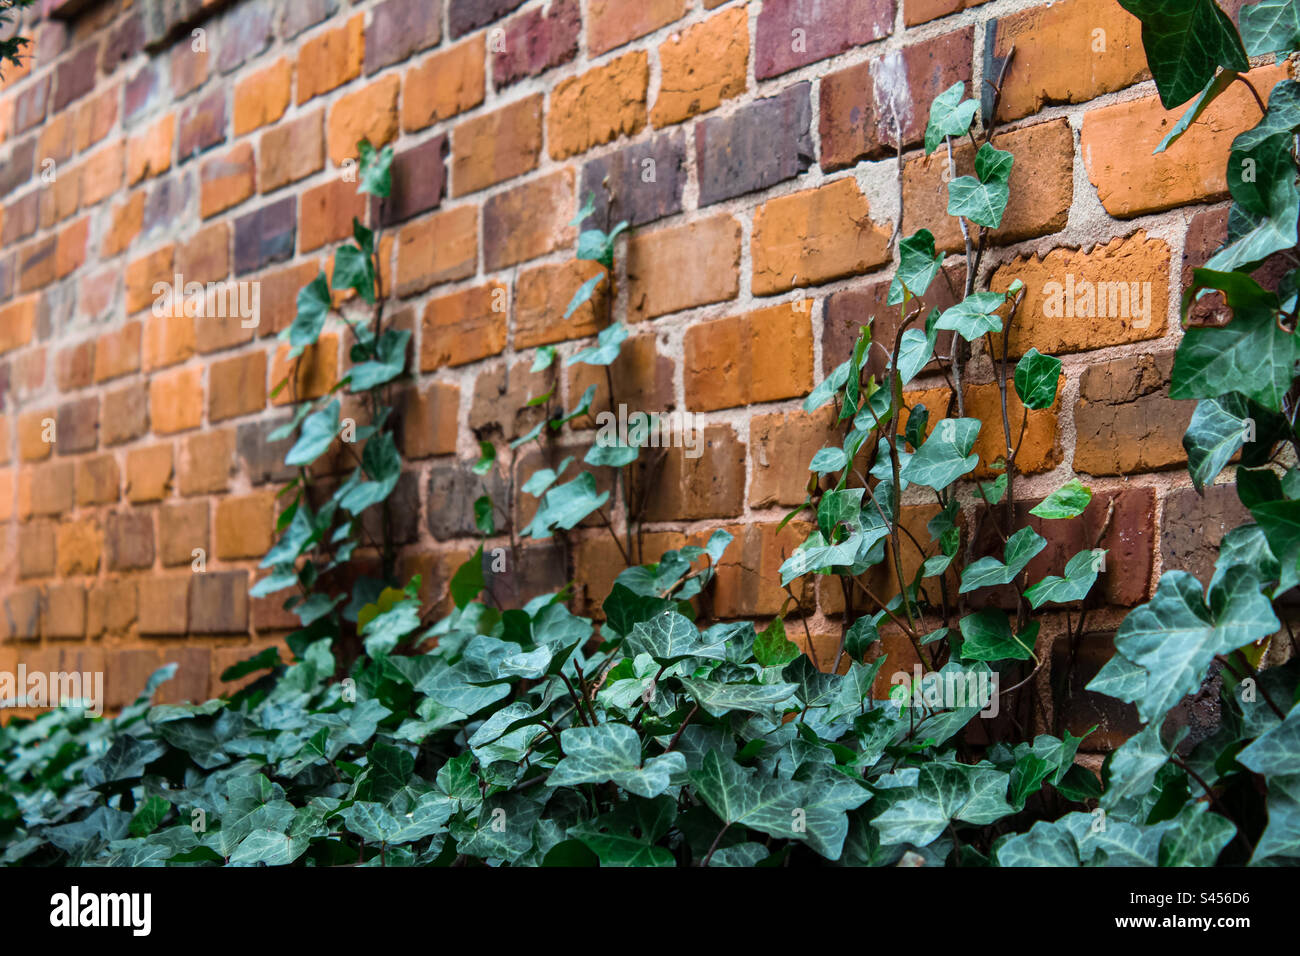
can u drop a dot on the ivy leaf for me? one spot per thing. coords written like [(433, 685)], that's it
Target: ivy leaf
[(987, 637), (612, 752), (376, 170), (566, 505), (916, 348), (1068, 501), (314, 304), (1217, 84), (584, 294), (1020, 549), (1080, 575), (606, 348), (1276, 752), (924, 812), (353, 269), (828, 460), (918, 265), (1036, 379), (318, 432), (973, 316), (982, 203), (383, 464), (946, 454), (1271, 26), (950, 115), (1175, 636), (1217, 431), (1184, 41), (772, 648), (1250, 355), (718, 699), (543, 359), (1195, 837), (669, 637), (827, 388), (467, 583), (149, 815), (390, 362)]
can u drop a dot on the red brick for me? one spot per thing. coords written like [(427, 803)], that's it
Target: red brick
[(781, 445), (227, 180), (291, 151), (679, 488), (428, 420), (327, 213), (144, 273), (611, 23), (117, 353), (206, 462), (528, 221), (130, 540), (168, 340), (79, 544), (314, 373), (126, 414), (150, 153)]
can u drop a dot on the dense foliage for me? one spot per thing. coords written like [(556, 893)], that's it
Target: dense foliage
[(658, 736)]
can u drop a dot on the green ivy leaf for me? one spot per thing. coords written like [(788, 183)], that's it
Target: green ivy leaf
[(376, 170), (1068, 501), (1217, 431), (314, 304), (606, 349), (772, 648), (318, 432), (1270, 26), (1184, 41), (986, 572), (946, 454), (1036, 379), (974, 316), (353, 269), (583, 295), (1080, 575), (950, 115), (468, 582), (987, 636), (918, 265), (613, 752)]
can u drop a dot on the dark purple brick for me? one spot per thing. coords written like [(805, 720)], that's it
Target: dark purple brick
[(639, 183), (244, 32), (203, 124), (266, 236), (166, 200), (129, 540), (537, 40), (301, 14), (263, 459), (124, 41), (7, 272), (1193, 526), (141, 92), (419, 181), (465, 16), (29, 107), (453, 489), (758, 146), (399, 28), (794, 33), (219, 602), (78, 426), (75, 76), (404, 509), (21, 217), (16, 169)]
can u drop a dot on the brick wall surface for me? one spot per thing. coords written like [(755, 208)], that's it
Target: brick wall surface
[(147, 139)]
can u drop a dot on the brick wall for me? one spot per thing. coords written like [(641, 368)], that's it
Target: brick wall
[(150, 138)]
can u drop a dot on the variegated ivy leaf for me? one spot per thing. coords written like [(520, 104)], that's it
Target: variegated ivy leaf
[(973, 316), (1080, 575), (946, 454), (612, 752), (1068, 501), (1020, 549)]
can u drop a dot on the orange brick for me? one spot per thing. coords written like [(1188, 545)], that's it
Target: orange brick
[(183, 529), (58, 138), (237, 386), (143, 274), (6, 494), (62, 198), (780, 447), (125, 224), (168, 340), (96, 118), (117, 353), (1067, 52), (1042, 186), (922, 11), (1077, 300), (279, 297), (370, 113), (101, 174), (760, 356), (496, 146), (681, 267), (262, 97), (205, 257), (227, 180), (206, 462), (464, 326), (448, 82), (70, 253), (314, 373), (611, 23), (245, 525), (148, 473), (99, 481), (176, 400), (17, 323), (291, 151), (1117, 143), (429, 419), (37, 433), (330, 59), (327, 212), (438, 249), (702, 66), (150, 153), (47, 489), (814, 236), (542, 295), (37, 264), (80, 544), (1040, 449), (598, 106)]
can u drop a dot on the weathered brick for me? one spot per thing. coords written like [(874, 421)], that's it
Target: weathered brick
[(427, 420), (464, 326), (245, 525), (31, 104), (1193, 525), (866, 107), (262, 97), (148, 473), (117, 353), (643, 380), (168, 340), (745, 359), (263, 459), (598, 106), (97, 117), (111, 606), (126, 414), (749, 582), (17, 171), (680, 267), (759, 145), (74, 366), (368, 113), (443, 84), (176, 400), (314, 373), (237, 386), (1038, 443), (78, 424), (206, 462), (124, 226), (639, 183), (794, 33), (189, 67), (228, 180), (47, 489), (164, 605), (1042, 186), (38, 264), (611, 23), (37, 434), (1076, 301), (101, 174), (292, 151), (500, 401), (849, 309), (1118, 143), (535, 41), (266, 236), (921, 11), (780, 447), (1207, 232), (150, 153), (814, 236), (219, 602), (542, 295), (528, 221), (437, 249), (202, 125), (22, 613), (1124, 419), (702, 66), (456, 488), (17, 323), (205, 257), (125, 39), (399, 28), (300, 15), (129, 540), (419, 179), (330, 59), (70, 250), (37, 555), (327, 213), (63, 613), (679, 488), (466, 15), (79, 544)]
